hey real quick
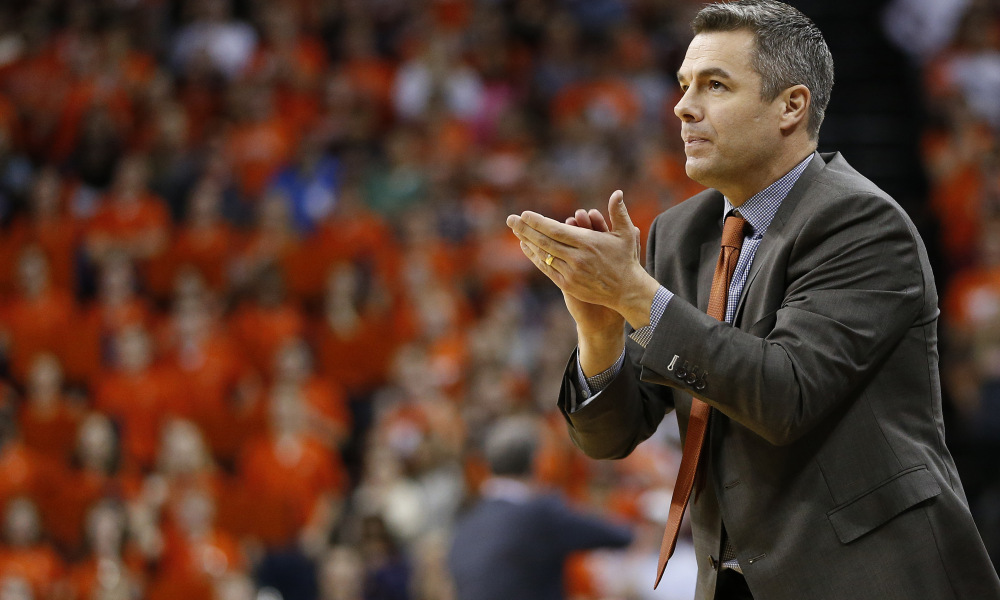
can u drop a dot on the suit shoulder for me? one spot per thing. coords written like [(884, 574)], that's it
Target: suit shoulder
[(703, 206), (844, 193)]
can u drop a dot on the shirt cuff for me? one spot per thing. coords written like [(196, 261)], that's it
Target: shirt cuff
[(592, 386), (642, 335)]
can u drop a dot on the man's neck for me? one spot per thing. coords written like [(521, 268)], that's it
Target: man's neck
[(738, 194)]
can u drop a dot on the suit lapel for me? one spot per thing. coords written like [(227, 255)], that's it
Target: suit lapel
[(775, 236)]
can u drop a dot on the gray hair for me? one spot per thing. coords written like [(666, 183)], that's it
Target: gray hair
[(789, 50), (510, 446)]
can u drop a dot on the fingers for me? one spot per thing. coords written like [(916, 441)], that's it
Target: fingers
[(550, 228), (592, 219), (618, 212), (543, 262), (597, 220), (583, 219), (539, 239), (544, 238)]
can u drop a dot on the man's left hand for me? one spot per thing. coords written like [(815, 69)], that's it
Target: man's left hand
[(593, 266)]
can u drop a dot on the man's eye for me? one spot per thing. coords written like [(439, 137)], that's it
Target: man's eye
[(716, 85)]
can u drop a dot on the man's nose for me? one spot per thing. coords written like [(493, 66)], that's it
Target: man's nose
[(687, 109)]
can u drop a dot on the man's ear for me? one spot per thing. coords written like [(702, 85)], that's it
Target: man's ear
[(795, 112)]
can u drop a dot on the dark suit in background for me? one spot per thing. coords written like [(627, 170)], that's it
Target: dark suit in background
[(507, 548), (513, 544)]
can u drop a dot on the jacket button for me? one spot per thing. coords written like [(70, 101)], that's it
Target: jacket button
[(682, 372), (691, 378), (700, 385)]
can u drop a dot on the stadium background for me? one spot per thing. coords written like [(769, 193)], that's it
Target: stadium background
[(258, 303)]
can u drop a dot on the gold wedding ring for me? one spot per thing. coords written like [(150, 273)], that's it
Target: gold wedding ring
[(548, 259)]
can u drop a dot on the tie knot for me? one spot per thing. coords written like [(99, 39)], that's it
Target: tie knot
[(732, 231)]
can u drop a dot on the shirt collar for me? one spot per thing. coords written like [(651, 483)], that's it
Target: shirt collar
[(760, 209), (506, 488)]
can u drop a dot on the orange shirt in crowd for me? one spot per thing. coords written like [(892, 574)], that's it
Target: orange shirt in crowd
[(211, 375), (58, 238), (212, 555), (355, 236), (578, 577), (559, 464), (39, 565), (296, 67), (973, 298), (83, 96), (292, 479), (86, 346), (360, 359), (9, 117), (373, 77), (85, 577), (50, 432), (256, 151), (37, 85), (245, 511), (261, 331), (23, 472), (37, 325), (610, 96), (956, 200), (140, 403), (327, 403), (188, 588), (115, 226), (304, 57), (208, 250), (76, 491)]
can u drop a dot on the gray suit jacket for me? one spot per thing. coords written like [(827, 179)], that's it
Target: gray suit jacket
[(825, 454)]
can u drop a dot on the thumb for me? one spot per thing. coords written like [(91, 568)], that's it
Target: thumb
[(617, 212)]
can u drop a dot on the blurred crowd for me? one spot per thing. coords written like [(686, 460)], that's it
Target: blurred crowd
[(258, 303)]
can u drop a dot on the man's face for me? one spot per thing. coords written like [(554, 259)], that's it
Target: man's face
[(730, 135)]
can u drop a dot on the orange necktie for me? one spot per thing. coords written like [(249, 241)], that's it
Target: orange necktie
[(729, 255)]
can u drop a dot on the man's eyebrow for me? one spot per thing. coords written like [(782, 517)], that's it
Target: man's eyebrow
[(709, 72)]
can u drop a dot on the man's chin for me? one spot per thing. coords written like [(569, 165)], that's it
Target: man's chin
[(698, 169)]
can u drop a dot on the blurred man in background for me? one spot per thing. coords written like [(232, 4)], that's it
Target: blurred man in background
[(514, 542)]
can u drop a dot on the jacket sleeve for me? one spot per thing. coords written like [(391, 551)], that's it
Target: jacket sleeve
[(624, 413), (572, 530), (854, 286)]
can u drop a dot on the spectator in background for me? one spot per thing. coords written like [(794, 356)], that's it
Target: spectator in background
[(310, 184), (137, 395), (49, 419), (25, 554), (112, 567), (341, 575), (972, 306), (36, 319), (118, 304), (95, 474), (46, 224), (515, 541), (130, 219), (437, 74), (387, 568), (213, 40)]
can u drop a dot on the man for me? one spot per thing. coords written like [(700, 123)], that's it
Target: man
[(515, 541), (823, 473)]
